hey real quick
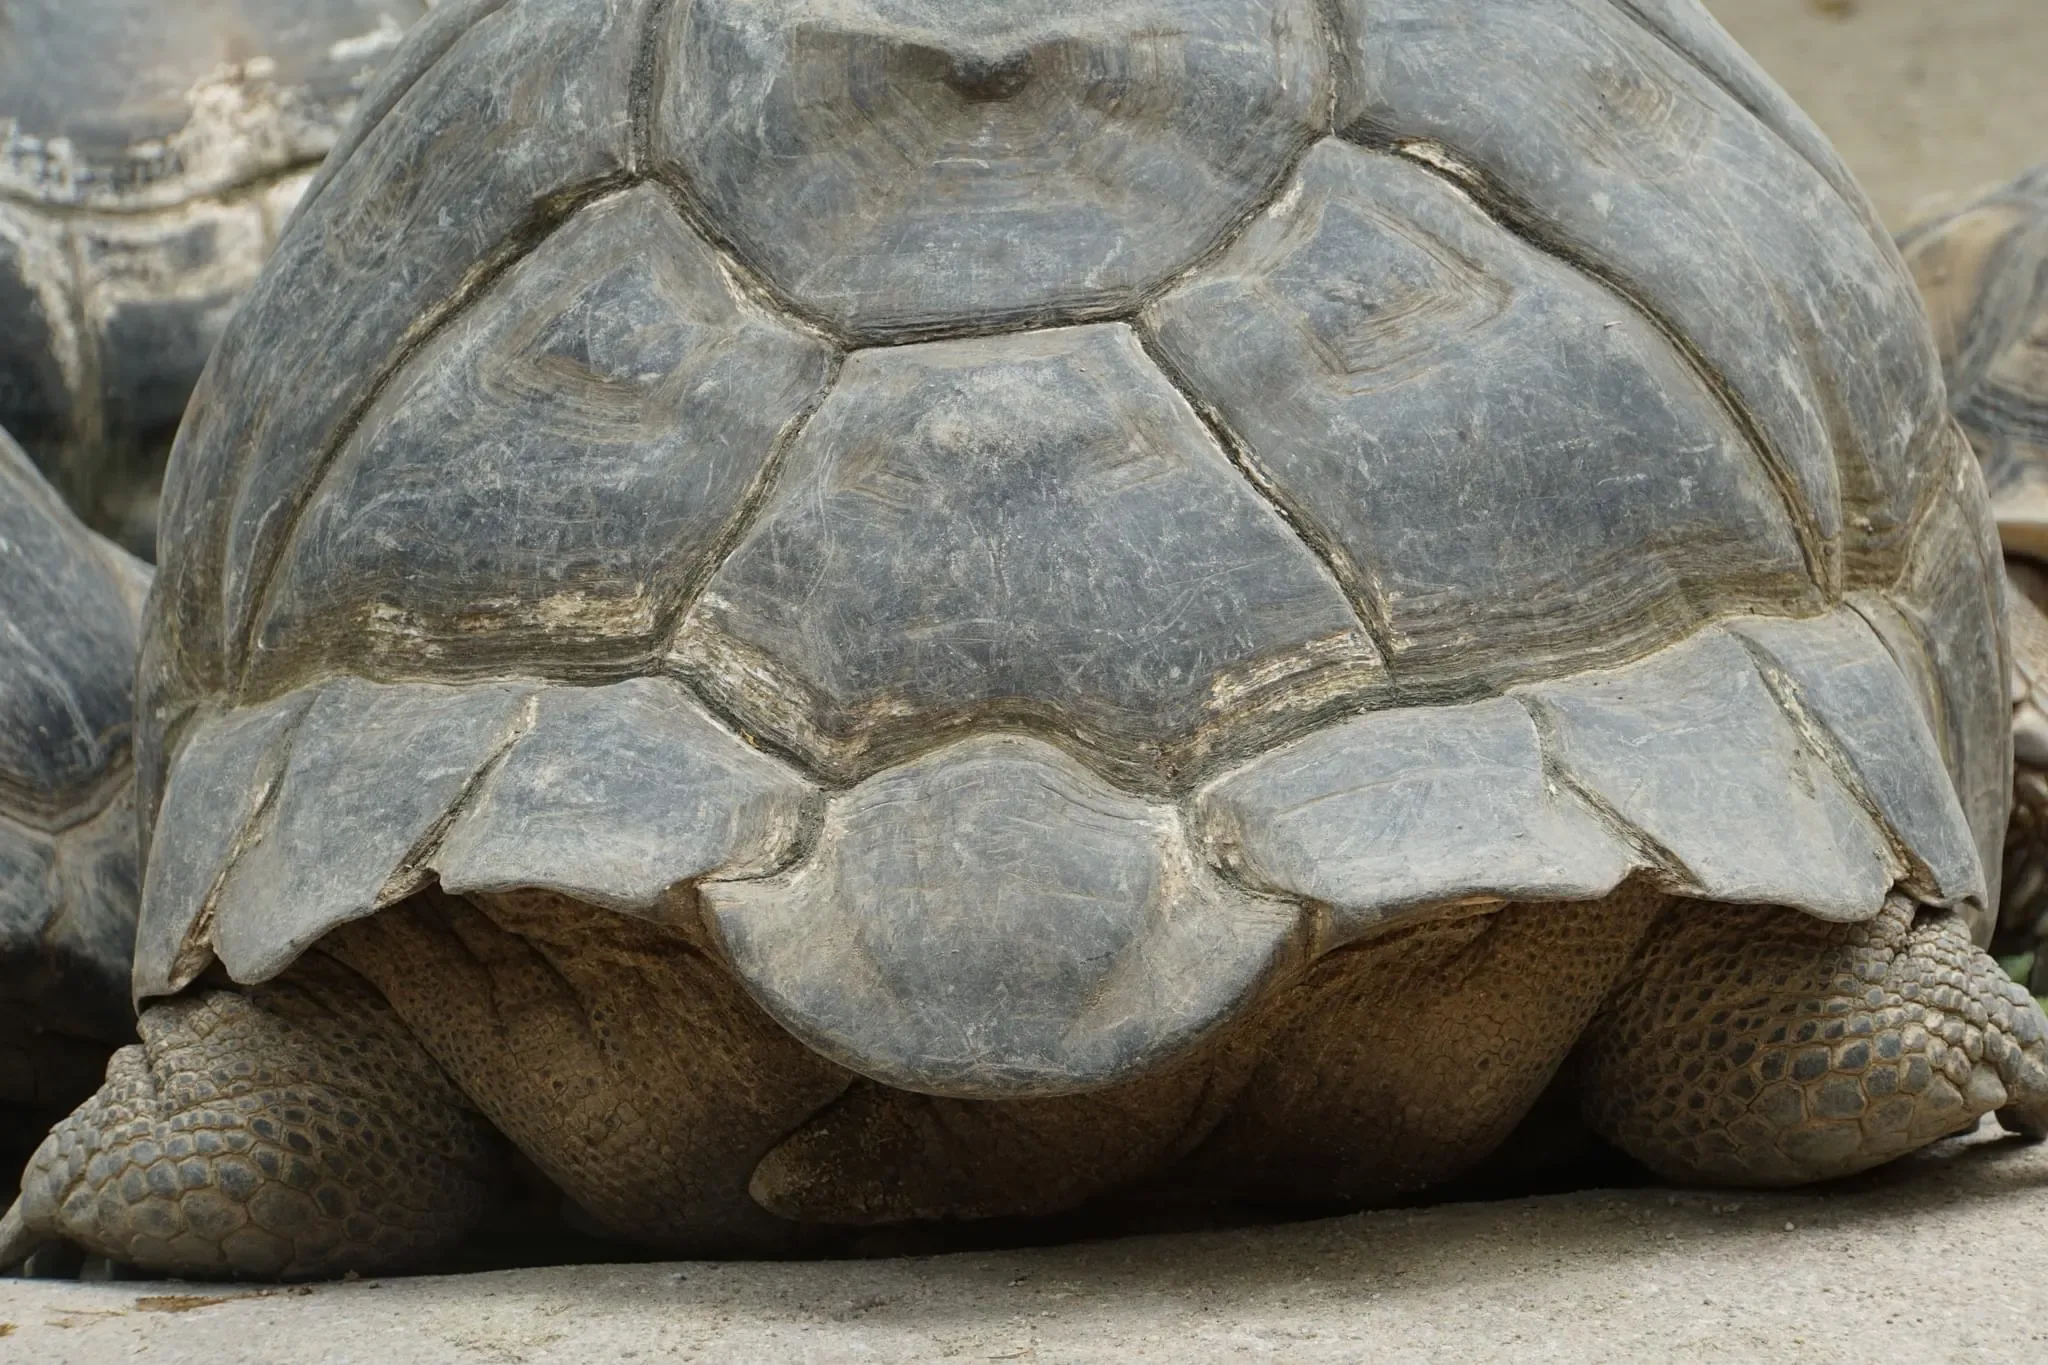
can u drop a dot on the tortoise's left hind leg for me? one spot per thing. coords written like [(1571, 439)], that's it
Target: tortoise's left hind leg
[(1757, 1046), (292, 1129)]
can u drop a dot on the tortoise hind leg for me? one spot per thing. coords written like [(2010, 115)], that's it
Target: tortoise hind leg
[(293, 1129), (1758, 1046)]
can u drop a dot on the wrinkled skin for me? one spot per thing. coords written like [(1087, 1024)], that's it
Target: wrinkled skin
[(351, 1115)]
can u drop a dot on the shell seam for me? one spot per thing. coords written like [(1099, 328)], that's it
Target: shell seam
[(1821, 556), (755, 285), (640, 89), (1666, 866), (1233, 232), (412, 870), (753, 502), (195, 951), (1915, 877), (1330, 28), (88, 801), (1365, 598), (549, 215)]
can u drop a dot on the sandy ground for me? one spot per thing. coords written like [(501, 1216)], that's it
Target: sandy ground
[(1944, 1258), (1922, 97)]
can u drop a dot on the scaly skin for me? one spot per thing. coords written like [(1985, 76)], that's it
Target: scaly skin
[(1754, 1046), (308, 1127), (293, 1130)]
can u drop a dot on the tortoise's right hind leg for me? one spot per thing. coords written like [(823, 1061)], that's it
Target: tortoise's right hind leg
[(291, 1130), (1754, 1046)]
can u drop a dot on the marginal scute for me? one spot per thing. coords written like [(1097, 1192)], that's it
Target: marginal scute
[(1596, 138), (1838, 674), (616, 796), (992, 920), (1402, 810), (1035, 526), (1949, 601), (592, 424), (1689, 752), (909, 167), (1468, 422), (528, 106), (225, 772), (374, 773)]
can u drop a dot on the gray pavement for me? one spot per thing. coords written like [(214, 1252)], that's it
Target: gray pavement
[(1941, 1258)]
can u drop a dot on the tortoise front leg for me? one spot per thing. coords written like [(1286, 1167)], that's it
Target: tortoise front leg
[(290, 1130), (1756, 1046)]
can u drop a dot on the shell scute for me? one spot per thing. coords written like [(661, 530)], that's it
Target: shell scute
[(1466, 420), (1598, 140), (541, 485), (903, 168), (1035, 526)]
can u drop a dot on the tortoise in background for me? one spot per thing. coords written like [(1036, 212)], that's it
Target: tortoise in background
[(150, 151), (1983, 268), (70, 611), (828, 613)]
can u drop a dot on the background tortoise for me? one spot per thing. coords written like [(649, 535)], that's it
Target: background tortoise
[(830, 612), (149, 153), (1984, 271), (70, 608)]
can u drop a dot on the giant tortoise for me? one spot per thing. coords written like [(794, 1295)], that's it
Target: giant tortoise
[(70, 613), (150, 151), (1983, 268), (835, 613)]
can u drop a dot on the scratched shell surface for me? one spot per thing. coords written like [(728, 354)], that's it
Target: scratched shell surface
[(150, 151), (1984, 270), (1120, 497), (70, 611)]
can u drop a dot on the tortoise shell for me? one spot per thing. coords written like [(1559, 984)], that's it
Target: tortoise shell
[(1030, 518), (70, 613), (150, 151), (1983, 267)]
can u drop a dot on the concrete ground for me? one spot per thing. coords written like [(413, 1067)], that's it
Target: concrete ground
[(1943, 1258)]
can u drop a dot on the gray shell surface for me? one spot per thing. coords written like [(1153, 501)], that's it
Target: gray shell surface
[(1984, 271), (70, 613), (1026, 521), (150, 151)]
